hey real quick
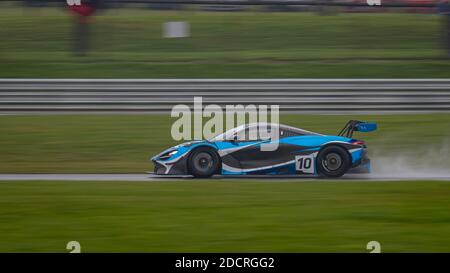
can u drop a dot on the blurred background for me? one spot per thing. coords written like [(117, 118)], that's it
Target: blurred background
[(125, 38)]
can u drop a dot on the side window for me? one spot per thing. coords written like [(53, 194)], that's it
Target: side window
[(288, 133), (249, 134), (253, 134)]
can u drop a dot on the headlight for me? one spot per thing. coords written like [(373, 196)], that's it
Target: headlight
[(168, 154)]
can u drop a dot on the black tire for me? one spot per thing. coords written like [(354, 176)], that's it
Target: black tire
[(333, 161), (203, 162)]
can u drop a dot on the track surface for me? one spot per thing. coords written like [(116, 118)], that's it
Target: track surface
[(151, 177)]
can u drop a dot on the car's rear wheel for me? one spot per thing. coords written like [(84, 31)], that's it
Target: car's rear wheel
[(333, 161), (203, 162)]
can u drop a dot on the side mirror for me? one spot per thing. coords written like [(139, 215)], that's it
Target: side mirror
[(234, 140)]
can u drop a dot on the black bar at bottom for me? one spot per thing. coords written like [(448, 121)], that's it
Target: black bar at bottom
[(224, 262)]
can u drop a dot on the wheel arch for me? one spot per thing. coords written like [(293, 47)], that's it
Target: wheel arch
[(343, 169), (339, 144), (212, 148)]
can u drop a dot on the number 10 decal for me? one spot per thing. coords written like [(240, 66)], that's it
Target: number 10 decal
[(304, 163)]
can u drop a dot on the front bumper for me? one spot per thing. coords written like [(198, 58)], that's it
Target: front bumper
[(178, 167)]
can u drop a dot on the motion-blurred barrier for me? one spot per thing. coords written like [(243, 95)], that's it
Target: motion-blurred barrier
[(160, 95)]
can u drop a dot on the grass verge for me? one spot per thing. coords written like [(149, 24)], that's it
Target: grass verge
[(218, 216)]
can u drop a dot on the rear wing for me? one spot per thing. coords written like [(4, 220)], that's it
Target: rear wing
[(357, 126)]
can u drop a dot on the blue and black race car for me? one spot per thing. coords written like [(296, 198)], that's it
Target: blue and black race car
[(297, 152)]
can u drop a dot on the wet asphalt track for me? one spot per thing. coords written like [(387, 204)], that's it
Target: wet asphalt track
[(151, 177)]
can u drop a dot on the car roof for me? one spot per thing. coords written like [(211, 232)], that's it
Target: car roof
[(282, 127)]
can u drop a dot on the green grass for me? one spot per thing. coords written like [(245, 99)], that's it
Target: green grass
[(128, 43), (225, 216), (123, 143)]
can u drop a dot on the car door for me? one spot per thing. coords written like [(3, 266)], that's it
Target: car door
[(252, 157)]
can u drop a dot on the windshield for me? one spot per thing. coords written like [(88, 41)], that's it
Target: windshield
[(228, 135), (247, 132)]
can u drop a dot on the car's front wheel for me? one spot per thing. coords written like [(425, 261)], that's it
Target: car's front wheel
[(333, 161), (203, 162)]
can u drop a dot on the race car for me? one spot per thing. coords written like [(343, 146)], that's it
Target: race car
[(297, 151)]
